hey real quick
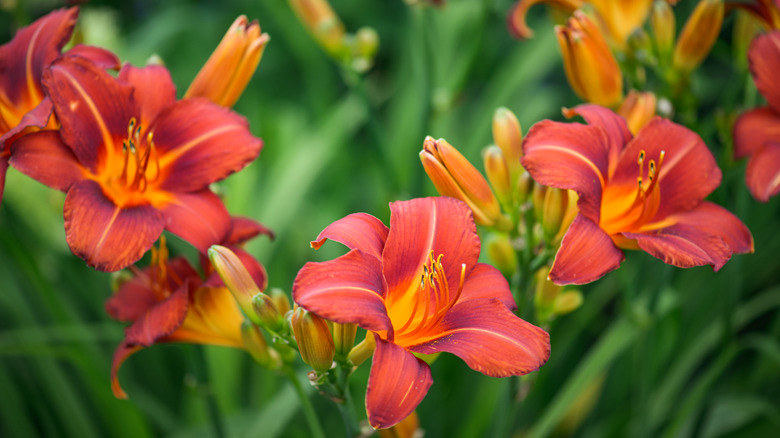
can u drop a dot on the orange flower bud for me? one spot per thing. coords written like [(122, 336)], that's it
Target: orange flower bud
[(621, 18), (497, 172), (315, 342), (453, 176), (227, 71), (699, 34), (663, 24), (638, 108), (236, 278), (591, 69), (322, 22), (509, 137)]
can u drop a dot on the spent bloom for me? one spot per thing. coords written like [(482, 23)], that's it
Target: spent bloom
[(635, 192), (417, 288), (757, 132), (133, 160)]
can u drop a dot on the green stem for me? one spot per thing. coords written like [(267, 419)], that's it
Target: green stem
[(347, 408), (215, 416), (308, 410)]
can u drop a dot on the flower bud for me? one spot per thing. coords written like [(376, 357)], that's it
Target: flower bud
[(228, 70), (553, 211), (509, 137), (591, 69), (255, 344), (501, 253), (363, 350), (236, 278), (745, 29), (453, 176), (567, 302), (281, 300), (407, 428), (497, 173), (323, 23), (662, 23), (343, 337), (637, 108), (622, 18), (315, 342), (267, 313), (524, 186), (699, 34)]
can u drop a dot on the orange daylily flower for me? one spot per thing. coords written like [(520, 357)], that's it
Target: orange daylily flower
[(169, 302), (635, 192), (767, 12), (757, 132), (228, 70), (134, 160), (417, 287), (24, 108)]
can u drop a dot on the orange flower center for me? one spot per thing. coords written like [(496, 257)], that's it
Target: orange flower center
[(416, 316), (160, 277), (626, 208)]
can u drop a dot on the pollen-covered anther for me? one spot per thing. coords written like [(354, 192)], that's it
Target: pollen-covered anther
[(137, 156)]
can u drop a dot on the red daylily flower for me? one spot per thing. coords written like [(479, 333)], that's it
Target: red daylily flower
[(134, 160), (644, 192), (757, 132), (168, 302), (23, 106), (418, 287)]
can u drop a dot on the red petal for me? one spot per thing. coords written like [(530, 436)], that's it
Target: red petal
[(345, 290), (107, 236), (706, 235), (397, 383), (122, 352), (764, 59), (442, 226), (201, 142), (569, 156), (3, 169), (585, 255), (485, 281), (99, 56), (161, 320), (688, 173), (92, 106), (615, 126), (763, 172), (198, 218), (357, 231), (45, 158), (244, 229), (38, 117), (490, 339), (754, 129), (154, 90)]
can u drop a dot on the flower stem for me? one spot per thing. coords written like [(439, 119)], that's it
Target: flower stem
[(204, 384), (308, 410)]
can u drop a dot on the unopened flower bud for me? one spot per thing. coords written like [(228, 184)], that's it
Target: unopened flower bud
[(228, 70), (315, 342), (281, 300), (501, 253), (568, 217), (407, 428), (638, 108), (497, 173), (236, 278), (255, 344), (363, 350), (699, 34), (591, 69), (567, 302), (343, 337), (662, 23), (453, 176), (366, 42), (508, 135), (322, 22), (267, 313), (524, 186)]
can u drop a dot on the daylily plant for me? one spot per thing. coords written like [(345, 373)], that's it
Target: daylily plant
[(644, 192), (134, 160), (417, 288), (24, 108), (757, 132)]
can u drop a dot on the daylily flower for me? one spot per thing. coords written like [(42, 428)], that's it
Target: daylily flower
[(644, 192), (417, 288), (169, 302), (23, 106), (228, 70), (757, 132), (767, 12), (134, 160)]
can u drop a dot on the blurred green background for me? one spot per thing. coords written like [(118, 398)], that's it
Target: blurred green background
[(654, 350)]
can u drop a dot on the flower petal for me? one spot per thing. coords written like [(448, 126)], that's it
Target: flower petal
[(199, 218), (108, 237), (212, 318), (35, 119), (397, 383), (516, 18), (688, 172), (160, 320), (485, 281), (490, 339), (569, 156), (154, 90), (3, 169), (585, 255), (244, 229), (706, 235), (615, 127), (92, 106), (357, 231), (754, 129), (200, 142), (97, 55), (45, 158), (422, 228), (764, 59), (122, 352), (763, 172), (345, 290)]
